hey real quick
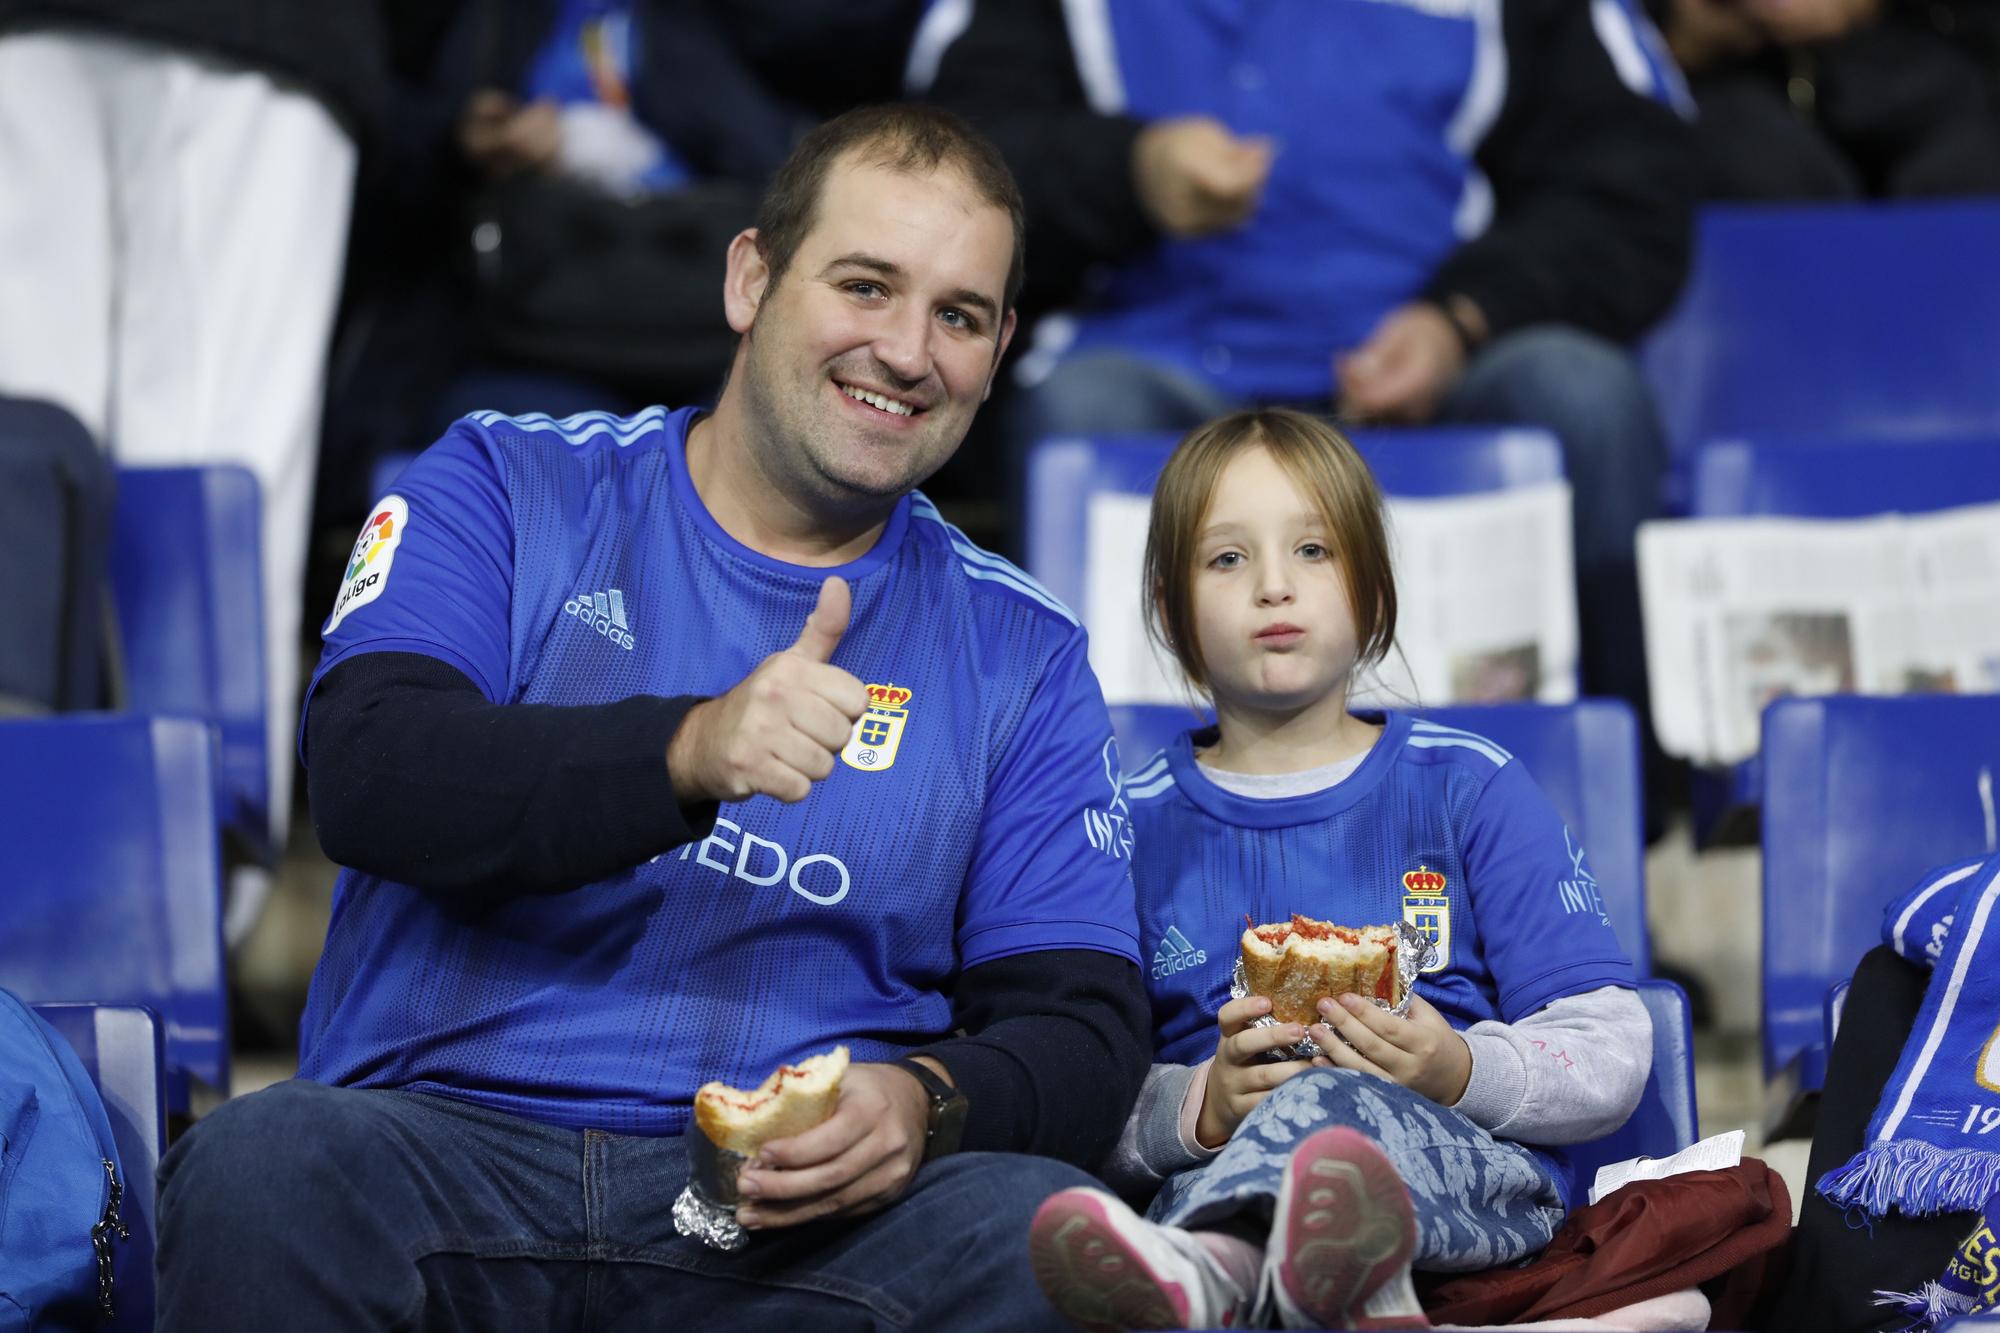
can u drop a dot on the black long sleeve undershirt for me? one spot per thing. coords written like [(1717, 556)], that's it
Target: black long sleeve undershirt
[(414, 776)]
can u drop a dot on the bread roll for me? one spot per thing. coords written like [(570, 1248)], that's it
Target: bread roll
[(791, 1101), (1294, 963)]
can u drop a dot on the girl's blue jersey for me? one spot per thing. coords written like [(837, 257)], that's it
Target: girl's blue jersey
[(975, 814), (1437, 827)]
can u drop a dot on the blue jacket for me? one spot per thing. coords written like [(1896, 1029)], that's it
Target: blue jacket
[(1528, 154)]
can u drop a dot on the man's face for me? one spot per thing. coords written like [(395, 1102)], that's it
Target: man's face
[(865, 362)]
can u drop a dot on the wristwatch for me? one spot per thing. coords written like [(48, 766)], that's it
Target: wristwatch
[(944, 1124)]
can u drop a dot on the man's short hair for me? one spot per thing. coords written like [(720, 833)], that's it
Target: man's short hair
[(909, 137)]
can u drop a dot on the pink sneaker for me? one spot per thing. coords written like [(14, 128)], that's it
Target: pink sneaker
[(1106, 1268), (1343, 1228)]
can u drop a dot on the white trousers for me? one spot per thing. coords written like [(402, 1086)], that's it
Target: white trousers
[(172, 234)]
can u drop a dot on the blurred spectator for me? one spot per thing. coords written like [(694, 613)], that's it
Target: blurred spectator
[(546, 229), (1841, 99), (1403, 210), (175, 177)]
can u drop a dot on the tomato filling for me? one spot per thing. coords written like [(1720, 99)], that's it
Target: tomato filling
[(760, 1098)]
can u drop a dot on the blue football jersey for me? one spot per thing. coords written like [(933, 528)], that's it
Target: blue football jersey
[(975, 813), (1437, 827)]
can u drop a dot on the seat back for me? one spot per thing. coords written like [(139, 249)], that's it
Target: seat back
[(122, 1047), (1861, 796), (1875, 319), (56, 502), (1143, 730), (1666, 1120), (1087, 510), (114, 876), (1065, 474), (186, 572), (1585, 755), (1836, 476)]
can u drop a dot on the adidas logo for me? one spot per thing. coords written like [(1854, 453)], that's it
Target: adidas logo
[(603, 612), (1175, 954)]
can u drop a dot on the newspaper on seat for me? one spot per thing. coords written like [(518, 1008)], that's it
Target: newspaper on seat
[(1739, 612)]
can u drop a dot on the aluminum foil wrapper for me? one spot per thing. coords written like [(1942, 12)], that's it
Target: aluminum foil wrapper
[(1415, 951), (706, 1209)]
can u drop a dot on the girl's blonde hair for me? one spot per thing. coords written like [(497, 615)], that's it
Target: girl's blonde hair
[(1323, 464)]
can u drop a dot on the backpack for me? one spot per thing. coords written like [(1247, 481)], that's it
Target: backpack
[(56, 503), (60, 1185)]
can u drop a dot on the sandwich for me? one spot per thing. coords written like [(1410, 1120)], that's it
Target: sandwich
[(791, 1101), (1294, 963)]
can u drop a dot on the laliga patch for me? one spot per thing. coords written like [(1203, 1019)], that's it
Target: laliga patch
[(879, 734), (368, 567)]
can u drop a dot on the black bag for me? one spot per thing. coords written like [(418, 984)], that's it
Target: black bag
[(56, 499), (570, 277)]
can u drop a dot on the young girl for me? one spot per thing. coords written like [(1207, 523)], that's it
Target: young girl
[(1305, 1191)]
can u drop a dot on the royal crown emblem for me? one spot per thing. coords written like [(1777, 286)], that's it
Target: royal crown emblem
[(879, 733), (1424, 880)]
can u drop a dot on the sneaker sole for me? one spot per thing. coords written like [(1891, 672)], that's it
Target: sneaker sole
[(1345, 1225), (1092, 1275)]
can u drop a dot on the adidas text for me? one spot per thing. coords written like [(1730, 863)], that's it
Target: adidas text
[(603, 612), (1176, 954)]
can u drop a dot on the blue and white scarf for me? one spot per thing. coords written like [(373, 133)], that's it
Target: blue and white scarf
[(1970, 1284), (1933, 1145)]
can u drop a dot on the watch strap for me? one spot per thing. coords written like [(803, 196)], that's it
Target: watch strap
[(944, 1118)]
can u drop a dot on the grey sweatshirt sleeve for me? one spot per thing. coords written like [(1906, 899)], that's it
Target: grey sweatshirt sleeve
[(1158, 1139), (1570, 1072)]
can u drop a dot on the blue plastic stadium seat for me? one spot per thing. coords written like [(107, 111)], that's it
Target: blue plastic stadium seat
[(1665, 1121), (1585, 755), (123, 1048), (114, 878), (1836, 476), (1836, 1005), (1821, 475), (1861, 796), (1143, 730), (187, 577), (1856, 320), (1063, 475)]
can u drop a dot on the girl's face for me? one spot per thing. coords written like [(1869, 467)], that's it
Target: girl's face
[(1271, 615)]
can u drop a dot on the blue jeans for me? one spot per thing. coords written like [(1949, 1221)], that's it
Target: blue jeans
[(310, 1207), (1588, 392), (1480, 1201)]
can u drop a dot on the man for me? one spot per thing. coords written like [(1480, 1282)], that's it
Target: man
[(1405, 211), (585, 732)]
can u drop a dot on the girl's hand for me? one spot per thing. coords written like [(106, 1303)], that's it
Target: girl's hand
[(1422, 1052), (1238, 1077)]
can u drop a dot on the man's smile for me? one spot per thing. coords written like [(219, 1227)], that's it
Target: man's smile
[(881, 402)]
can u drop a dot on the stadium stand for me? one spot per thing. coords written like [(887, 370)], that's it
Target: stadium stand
[(1665, 1121), (115, 881), (123, 1048), (1085, 523), (1826, 475), (1844, 320), (1861, 796), (187, 578), (1063, 475)]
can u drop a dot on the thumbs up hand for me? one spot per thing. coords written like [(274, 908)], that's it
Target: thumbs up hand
[(782, 727)]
